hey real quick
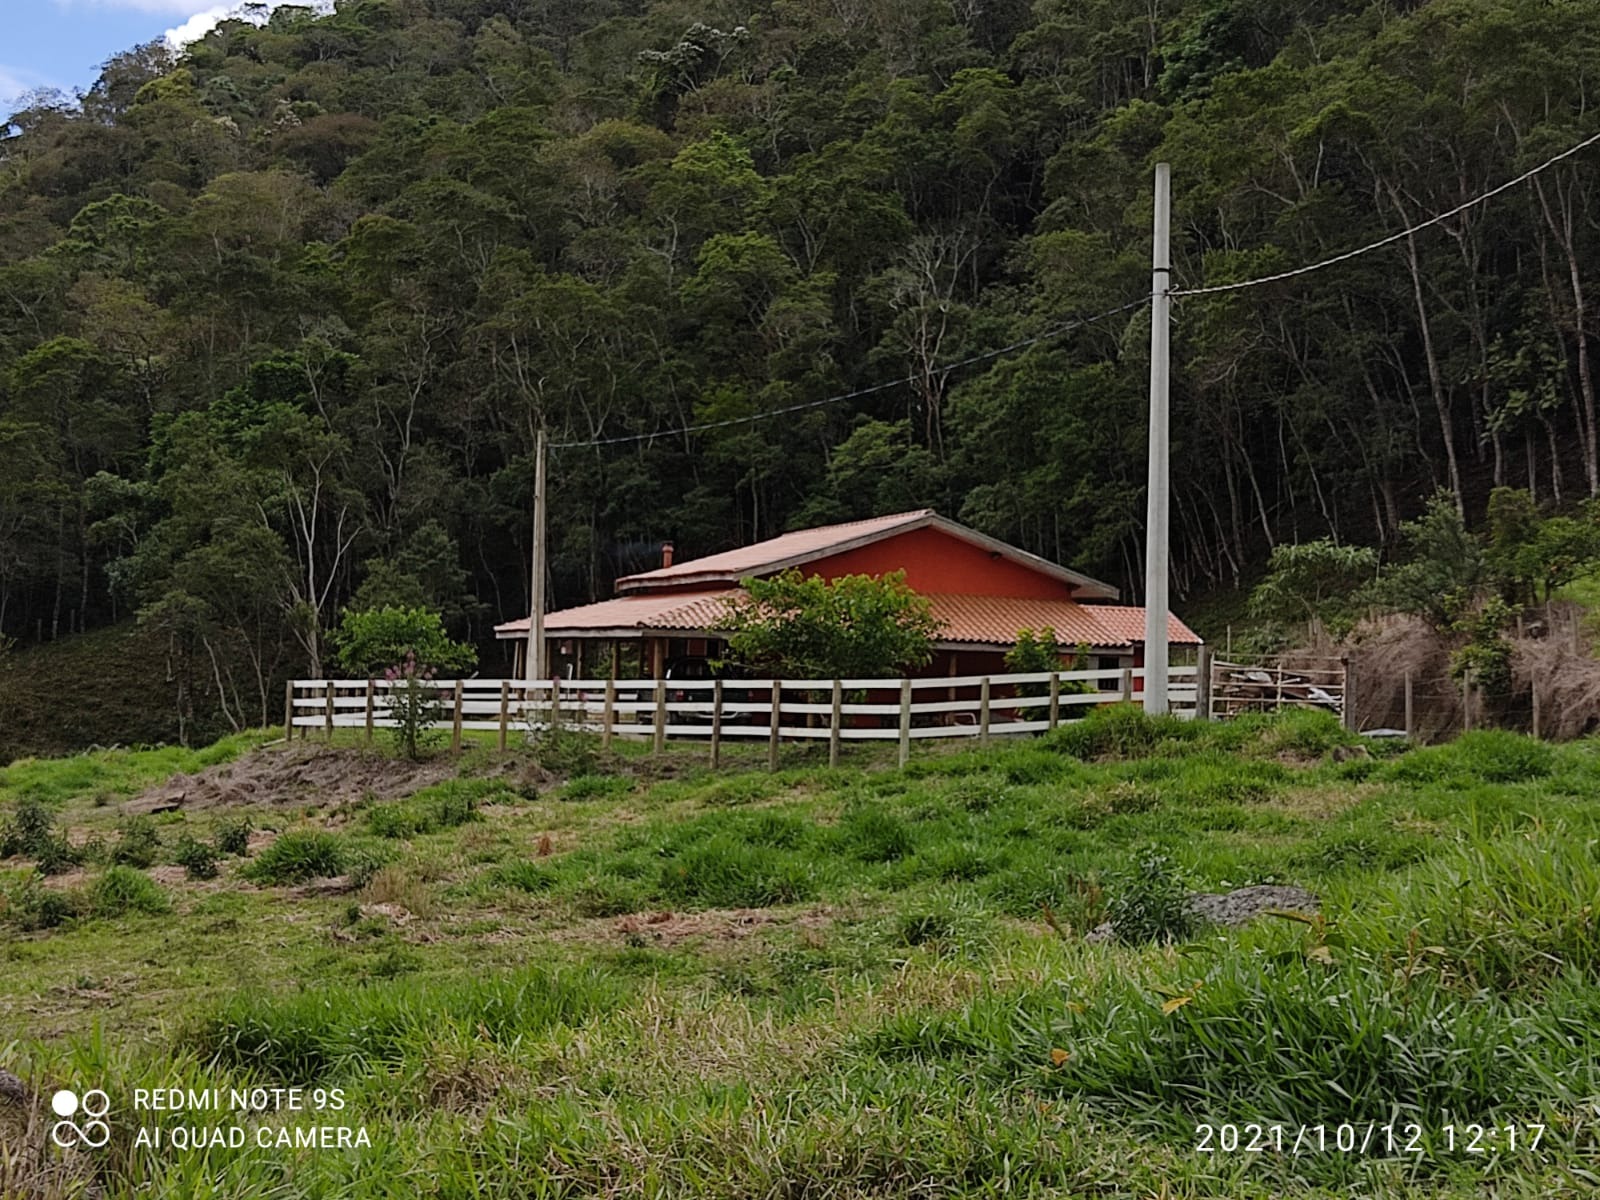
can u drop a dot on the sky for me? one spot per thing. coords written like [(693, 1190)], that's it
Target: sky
[(61, 43)]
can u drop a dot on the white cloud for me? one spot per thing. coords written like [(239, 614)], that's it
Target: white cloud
[(201, 23)]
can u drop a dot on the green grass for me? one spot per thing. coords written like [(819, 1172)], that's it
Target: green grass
[(657, 980)]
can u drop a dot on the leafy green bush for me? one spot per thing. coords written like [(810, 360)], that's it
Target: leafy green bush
[(233, 837), (31, 832), (564, 751), (1150, 903), (198, 860), (298, 857), (28, 906), (121, 890), (139, 844), (372, 641)]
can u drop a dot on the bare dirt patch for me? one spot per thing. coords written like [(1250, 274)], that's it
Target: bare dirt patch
[(294, 775), (714, 924)]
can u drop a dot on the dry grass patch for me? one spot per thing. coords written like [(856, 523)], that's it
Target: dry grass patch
[(399, 887)]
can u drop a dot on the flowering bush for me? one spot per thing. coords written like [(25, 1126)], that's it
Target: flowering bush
[(413, 705)]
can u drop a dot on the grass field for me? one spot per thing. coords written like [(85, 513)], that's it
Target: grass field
[(618, 977)]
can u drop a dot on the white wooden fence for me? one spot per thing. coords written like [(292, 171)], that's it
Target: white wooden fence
[(835, 710)]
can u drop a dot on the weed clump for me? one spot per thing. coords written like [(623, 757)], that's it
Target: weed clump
[(122, 890), (1113, 731), (448, 806), (31, 832), (233, 837), (198, 860), (28, 906), (596, 787), (297, 858), (139, 844), (1487, 756)]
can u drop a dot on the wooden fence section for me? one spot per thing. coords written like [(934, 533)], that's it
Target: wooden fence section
[(1272, 684), (715, 710)]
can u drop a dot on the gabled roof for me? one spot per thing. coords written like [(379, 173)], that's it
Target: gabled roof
[(807, 545), (628, 616)]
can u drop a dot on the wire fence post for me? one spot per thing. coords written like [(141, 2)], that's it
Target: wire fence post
[(716, 723), (777, 717), (1537, 724), (1202, 685), (1411, 708), (1466, 700), (833, 729), (1349, 706), (905, 721)]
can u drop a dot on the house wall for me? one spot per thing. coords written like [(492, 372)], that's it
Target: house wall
[(935, 562)]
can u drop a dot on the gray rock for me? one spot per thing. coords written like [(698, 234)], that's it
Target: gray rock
[(12, 1089), (1238, 907)]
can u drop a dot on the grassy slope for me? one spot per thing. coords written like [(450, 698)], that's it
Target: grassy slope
[(897, 1016)]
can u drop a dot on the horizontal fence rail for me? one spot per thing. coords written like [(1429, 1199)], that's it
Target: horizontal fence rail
[(747, 710)]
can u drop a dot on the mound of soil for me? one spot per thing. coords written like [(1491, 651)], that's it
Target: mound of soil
[(299, 774)]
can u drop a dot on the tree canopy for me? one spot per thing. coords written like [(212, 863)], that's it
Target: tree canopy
[(281, 314)]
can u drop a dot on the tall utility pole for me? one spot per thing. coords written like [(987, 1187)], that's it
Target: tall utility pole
[(536, 656), (1159, 484)]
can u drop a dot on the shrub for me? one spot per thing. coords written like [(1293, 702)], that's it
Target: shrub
[(564, 751), (31, 826), (1150, 903), (412, 704), (198, 860), (28, 906), (139, 844), (121, 890), (298, 857), (233, 837), (379, 638)]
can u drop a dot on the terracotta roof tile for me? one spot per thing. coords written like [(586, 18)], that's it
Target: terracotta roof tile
[(755, 557), (996, 620), (990, 620)]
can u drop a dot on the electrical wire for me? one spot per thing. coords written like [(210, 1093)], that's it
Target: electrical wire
[(1394, 237), (987, 355)]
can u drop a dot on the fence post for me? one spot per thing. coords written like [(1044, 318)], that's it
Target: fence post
[(1466, 700), (1055, 698), (327, 716), (288, 709), (371, 691), (1127, 685), (905, 721), (1350, 721), (1411, 709), (1202, 685), (777, 713), (716, 723), (983, 711), (608, 713), (833, 730), (455, 722), (660, 740), (1536, 714), (505, 710), (555, 702), (1277, 704)]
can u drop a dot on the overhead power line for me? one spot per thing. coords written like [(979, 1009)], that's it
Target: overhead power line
[(681, 431), (1393, 237)]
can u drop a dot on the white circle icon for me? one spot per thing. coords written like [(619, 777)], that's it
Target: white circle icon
[(64, 1102)]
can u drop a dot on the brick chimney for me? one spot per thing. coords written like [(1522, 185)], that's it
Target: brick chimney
[(666, 554)]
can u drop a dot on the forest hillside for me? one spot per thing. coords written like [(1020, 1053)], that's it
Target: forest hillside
[(281, 314)]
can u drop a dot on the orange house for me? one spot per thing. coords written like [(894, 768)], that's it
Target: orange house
[(982, 591)]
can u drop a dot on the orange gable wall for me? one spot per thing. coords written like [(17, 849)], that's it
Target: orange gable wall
[(936, 563)]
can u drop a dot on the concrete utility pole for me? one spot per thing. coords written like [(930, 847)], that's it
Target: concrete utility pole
[(1156, 570), (536, 656)]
